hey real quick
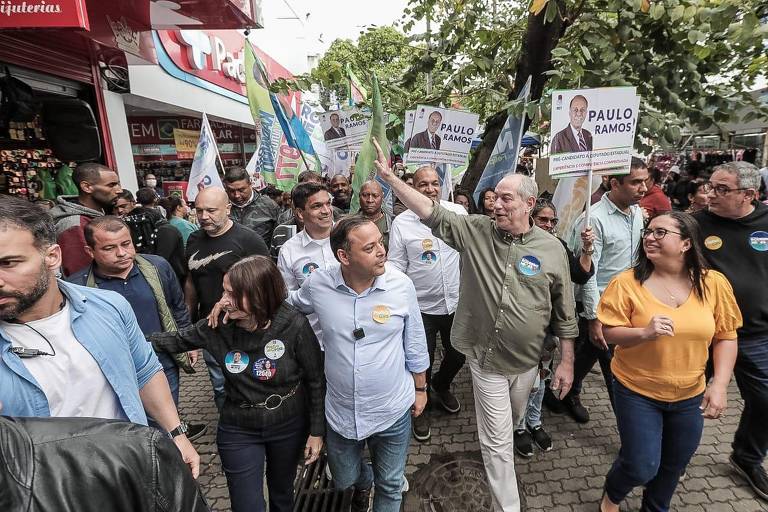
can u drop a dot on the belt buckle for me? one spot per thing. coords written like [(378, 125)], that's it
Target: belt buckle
[(270, 397)]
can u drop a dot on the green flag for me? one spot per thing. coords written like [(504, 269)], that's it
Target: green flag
[(364, 169)]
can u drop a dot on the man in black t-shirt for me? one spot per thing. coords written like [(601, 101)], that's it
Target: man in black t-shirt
[(211, 250), (735, 232)]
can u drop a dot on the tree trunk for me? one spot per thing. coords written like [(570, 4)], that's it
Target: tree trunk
[(535, 59)]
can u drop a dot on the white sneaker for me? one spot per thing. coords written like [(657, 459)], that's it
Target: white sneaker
[(406, 487)]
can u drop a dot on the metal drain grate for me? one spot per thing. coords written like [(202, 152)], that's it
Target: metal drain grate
[(315, 493)]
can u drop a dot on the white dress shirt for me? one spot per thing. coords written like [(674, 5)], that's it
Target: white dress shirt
[(370, 385), (300, 256), (432, 265)]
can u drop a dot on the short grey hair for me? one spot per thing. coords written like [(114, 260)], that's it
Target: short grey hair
[(528, 188), (746, 173)]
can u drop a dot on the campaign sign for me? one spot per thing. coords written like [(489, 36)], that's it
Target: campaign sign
[(592, 129), (345, 129), (440, 135)]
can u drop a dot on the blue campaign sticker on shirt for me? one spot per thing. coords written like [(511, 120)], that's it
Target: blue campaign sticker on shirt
[(236, 361), (759, 241), (529, 265), (309, 268), (264, 369), (428, 257)]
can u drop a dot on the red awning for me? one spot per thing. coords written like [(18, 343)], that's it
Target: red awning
[(206, 14)]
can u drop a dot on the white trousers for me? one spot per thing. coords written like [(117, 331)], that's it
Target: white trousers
[(500, 402)]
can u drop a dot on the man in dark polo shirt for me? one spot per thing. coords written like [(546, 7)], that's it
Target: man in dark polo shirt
[(735, 231), (149, 285), (211, 250), (515, 287)]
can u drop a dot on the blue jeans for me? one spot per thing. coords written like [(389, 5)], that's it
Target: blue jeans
[(171, 371), (658, 440), (389, 451), (532, 416), (750, 443), (243, 452), (217, 379)]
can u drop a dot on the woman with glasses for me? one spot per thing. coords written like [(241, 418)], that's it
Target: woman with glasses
[(663, 315), (529, 430), (274, 382)]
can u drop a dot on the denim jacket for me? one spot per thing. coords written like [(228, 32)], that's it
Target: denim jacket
[(104, 323)]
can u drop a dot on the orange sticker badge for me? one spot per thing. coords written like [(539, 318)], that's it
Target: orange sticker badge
[(381, 314), (713, 242), (426, 244)]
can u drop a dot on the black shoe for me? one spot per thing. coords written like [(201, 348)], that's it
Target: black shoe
[(446, 400), (755, 476), (361, 500), (541, 438), (420, 427), (196, 430), (523, 443), (574, 407), (553, 403)]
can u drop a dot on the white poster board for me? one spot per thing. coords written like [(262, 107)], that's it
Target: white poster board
[(592, 130), (440, 135), (345, 129)]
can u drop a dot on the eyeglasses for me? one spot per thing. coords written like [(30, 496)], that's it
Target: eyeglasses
[(658, 233), (720, 190), (547, 220)]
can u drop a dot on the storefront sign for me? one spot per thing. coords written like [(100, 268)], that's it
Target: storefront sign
[(186, 143), (43, 14), (159, 130)]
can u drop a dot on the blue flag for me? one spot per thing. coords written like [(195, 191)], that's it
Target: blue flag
[(503, 159), (295, 134)]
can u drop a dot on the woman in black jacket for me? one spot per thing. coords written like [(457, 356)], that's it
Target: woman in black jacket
[(274, 382)]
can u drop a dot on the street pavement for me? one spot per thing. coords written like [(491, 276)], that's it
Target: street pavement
[(568, 478)]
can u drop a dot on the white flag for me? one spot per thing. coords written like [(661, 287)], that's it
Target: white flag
[(204, 173)]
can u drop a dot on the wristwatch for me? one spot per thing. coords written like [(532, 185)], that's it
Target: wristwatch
[(422, 389), (181, 429)]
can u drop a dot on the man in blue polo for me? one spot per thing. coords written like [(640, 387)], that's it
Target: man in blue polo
[(150, 286), (375, 362), (67, 350)]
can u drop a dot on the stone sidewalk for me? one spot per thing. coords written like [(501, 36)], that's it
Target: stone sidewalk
[(568, 478)]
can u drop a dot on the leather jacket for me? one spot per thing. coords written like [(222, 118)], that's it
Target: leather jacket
[(86, 464)]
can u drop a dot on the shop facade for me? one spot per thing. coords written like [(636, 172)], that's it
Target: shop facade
[(68, 61)]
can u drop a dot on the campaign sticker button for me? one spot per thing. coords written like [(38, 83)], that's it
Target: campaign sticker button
[(381, 314), (274, 349), (264, 369), (309, 268), (759, 241), (713, 242), (236, 361), (426, 244), (529, 265), (428, 257)]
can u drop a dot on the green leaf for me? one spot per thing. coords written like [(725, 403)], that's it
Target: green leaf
[(586, 53), (551, 12), (561, 52), (693, 36), (657, 11)]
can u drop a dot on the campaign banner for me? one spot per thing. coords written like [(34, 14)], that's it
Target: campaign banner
[(345, 129), (186, 143), (441, 135), (503, 159), (592, 130)]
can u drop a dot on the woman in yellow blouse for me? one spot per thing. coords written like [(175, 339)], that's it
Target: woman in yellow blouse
[(662, 316)]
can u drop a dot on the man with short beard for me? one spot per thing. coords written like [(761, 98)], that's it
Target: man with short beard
[(98, 187), (68, 350), (250, 208)]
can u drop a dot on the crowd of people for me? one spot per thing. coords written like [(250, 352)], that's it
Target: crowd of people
[(319, 327)]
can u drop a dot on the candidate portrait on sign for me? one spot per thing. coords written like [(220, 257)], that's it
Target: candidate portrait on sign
[(428, 139), (573, 138), (335, 131)]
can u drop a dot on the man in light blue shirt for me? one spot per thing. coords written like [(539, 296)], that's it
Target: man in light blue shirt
[(375, 362), (67, 350), (617, 221)]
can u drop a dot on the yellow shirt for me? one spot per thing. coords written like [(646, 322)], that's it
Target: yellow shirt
[(669, 368)]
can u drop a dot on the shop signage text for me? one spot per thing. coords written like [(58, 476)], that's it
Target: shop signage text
[(43, 14)]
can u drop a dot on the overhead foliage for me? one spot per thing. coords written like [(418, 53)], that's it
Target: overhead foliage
[(693, 61)]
